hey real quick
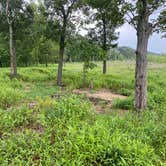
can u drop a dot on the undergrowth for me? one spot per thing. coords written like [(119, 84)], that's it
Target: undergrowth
[(63, 129)]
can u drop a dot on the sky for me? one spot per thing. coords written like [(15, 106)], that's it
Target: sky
[(128, 38)]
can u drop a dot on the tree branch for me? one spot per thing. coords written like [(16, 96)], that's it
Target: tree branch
[(70, 8), (131, 21), (7, 11)]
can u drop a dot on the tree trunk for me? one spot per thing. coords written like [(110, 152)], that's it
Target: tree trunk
[(60, 64), (104, 46), (141, 73), (46, 61), (61, 52), (1, 64), (84, 76), (104, 66), (13, 63), (143, 33)]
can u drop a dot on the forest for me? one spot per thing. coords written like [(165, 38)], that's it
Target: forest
[(70, 95)]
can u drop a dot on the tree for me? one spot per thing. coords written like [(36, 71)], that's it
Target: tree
[(140, 17), (162, 26), (12, 44), (82, 49), (34, 44), (42, 36), (14, 14), (108, 16), (62, 11)]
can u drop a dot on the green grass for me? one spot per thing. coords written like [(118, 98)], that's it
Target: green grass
[(65, 130), (157, 58)]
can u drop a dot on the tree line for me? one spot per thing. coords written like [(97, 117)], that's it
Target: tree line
[(47, 31)]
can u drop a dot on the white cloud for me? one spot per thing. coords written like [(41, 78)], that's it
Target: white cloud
[(128, 38)]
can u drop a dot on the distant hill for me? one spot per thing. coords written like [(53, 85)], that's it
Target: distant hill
[(121, 53), (127, 52)]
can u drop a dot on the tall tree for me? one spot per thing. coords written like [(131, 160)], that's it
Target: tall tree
[(10, 21), (62, 11), (44, 37), (108, 16), (14, 15), (140, 15)]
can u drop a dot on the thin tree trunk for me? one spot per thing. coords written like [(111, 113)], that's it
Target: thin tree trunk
[(14, 58), (60, 65), (104, 46), (84, 76), (1, 64), (13, 64), (104, 66), (61, 52), (46, 61)]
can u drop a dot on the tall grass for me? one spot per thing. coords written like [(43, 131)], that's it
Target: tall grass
[(63, 129)]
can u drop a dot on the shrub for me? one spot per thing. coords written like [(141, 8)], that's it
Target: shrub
[(126, 104), (15, 118), (9, 97)]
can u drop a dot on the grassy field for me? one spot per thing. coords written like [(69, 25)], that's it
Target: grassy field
[(42, 124)]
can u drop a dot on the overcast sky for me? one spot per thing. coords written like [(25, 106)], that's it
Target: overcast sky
[(128, 38)]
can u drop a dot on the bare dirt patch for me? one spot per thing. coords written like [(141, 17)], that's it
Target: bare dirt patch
[(37, 127), (27, 89), (157, 66), (102, 99), (32, 105), (103, 94)]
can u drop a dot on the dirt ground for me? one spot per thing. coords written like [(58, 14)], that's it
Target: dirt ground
[(102, 99), (103, 94)]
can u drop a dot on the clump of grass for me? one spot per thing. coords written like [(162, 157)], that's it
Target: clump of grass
[(39, 74), (9, 97), (15, 118), (125, 104)]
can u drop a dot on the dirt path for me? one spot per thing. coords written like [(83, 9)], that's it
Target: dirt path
[(102, 99), (102, 94)]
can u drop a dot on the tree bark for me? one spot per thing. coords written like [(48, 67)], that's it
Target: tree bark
[(84, 76), (143, 32), (104, 46), (141, 72), (104, 66), (13, 63), (60, 64), (61, 51)]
